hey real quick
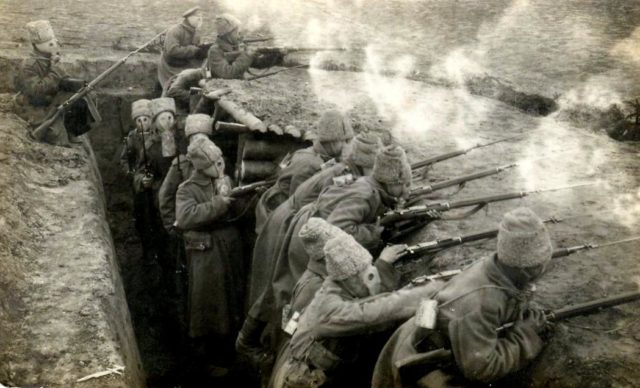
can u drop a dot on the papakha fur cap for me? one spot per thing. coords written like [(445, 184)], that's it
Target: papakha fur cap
[(141, 107), (523, 239), (364, 148), (226, 23), (392, 166), (344, 257), (162, 104), (40, 31), (190, 12), (203, 153), (198, 123), (315, 233), (333, 125)]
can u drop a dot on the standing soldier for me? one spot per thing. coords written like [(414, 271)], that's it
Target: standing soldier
[(181, 48), (214, 254), (346, 310), (464, 348), (229, 57), (142, 159), (197, 127), (42, 86), (333, 133)]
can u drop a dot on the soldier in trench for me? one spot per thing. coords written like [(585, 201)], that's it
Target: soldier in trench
[(43, 85), (181, 49), (464, 348), (214, 257), (343, 314)]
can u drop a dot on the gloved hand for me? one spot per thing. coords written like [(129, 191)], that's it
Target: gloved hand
[(533, 319), (392, 253), (69, 84)]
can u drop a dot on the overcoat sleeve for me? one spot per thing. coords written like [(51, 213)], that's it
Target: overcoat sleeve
[(191, 214), (354, 317), (351, 215), (35, 84), (222, 68), (167, 195), (482, 354)]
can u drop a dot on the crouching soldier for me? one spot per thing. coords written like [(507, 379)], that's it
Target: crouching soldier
[(344, 312), (42, 86), (214, 255), (464, 348), (229, 57)]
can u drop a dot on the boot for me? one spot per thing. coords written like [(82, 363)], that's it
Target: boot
[(248, 344)]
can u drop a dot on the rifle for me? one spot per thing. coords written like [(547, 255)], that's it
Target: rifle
[(421, 211), (275, 72), (444, 355), (427, 189), (256, 40), (251, 187), (560, 252), (437, 246), (453, 154), (288, 50), (55, 114)]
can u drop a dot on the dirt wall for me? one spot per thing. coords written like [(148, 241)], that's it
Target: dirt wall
[(63, 312)]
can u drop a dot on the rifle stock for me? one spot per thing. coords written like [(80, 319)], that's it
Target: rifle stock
[(243, 190)]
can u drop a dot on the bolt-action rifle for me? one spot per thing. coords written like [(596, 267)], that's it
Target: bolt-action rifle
[(423, 211), (453, 154), (251, 187), (53, 115), (418, 191), (436, 246), (560, 252)]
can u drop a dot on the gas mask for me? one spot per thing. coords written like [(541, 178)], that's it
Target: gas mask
[(371, 279), (143, 123), (164, 123), (195, 20), (52, 48)]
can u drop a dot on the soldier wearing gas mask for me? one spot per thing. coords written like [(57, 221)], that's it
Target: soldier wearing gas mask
[(344, 312), (43, 85)]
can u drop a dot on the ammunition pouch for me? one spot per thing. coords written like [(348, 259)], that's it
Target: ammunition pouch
[(197, 241)]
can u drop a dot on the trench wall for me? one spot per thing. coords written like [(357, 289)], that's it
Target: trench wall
[(63, 311)]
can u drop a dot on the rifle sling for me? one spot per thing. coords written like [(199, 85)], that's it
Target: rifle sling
[(464, 215)]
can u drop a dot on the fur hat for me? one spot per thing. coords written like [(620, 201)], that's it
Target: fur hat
[(333, 125), (226, 23), (523, 240), (364, 148), (392, 166), (162, 104), (198, 123), (345, 257), (203, 153), (190, 12), (140, 107), (315, 233), (40, 31)]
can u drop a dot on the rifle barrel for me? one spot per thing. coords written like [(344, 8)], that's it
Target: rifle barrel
[(458, 180), (593, 306)]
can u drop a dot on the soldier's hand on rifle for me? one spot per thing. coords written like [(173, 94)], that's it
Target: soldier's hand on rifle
[(533, 319), (392, 253), (250, 50), (434, 214)]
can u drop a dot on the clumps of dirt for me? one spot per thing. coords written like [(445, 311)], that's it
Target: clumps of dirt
[(614, 120), (492, 87)]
